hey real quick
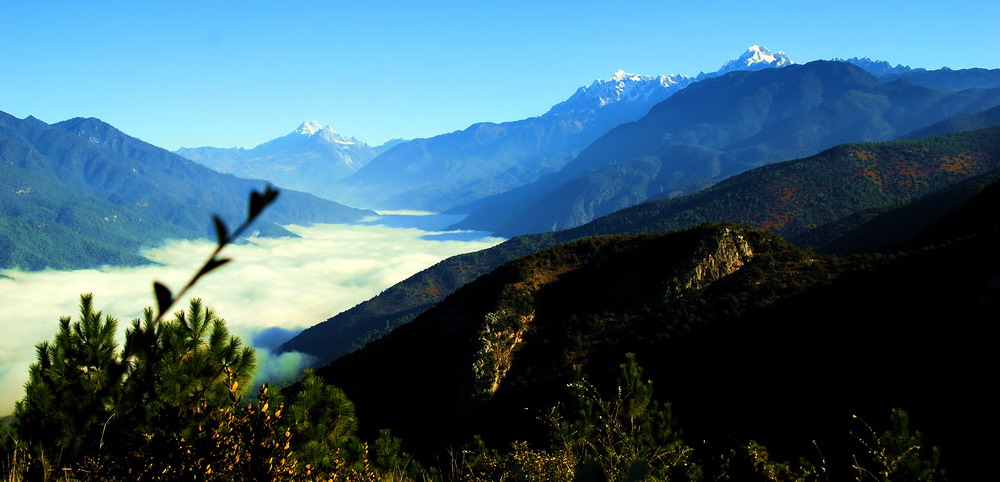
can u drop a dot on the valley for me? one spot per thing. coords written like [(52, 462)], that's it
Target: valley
[(261, 294), (345, 241)]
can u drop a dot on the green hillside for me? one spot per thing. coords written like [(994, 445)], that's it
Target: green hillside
[(811, 201), (45, 223), (81, 194)]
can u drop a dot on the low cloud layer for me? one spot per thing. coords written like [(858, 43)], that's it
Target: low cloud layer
[(272, 288)]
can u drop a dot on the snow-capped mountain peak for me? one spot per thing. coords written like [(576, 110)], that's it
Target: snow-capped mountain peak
[(756, 54), (309, 128), (756, 58), (622, 87), (621, 75)]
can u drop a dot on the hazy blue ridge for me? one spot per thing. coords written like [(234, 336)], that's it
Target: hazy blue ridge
[(720, 127), (454, 171), (309, 159), (980, 120)]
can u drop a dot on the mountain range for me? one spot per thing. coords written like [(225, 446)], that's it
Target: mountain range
[(822, 202), (309, 159), (747, 336), (719, 127), (782, 249), (81, 193), (461, 167)]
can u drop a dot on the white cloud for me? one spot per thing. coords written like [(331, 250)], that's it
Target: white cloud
[(275, 282)]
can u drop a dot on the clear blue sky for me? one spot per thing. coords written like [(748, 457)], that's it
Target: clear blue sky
[(238, 73)]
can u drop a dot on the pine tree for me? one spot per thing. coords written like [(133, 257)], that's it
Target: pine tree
[(201, 364), (84, 398), (89, 406), (324, 421), (628, 436), (73, 389)]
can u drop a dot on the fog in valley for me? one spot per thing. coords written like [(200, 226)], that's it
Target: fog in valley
[(274, 287)]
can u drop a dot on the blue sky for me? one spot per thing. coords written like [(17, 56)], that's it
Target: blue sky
[(229, 74)]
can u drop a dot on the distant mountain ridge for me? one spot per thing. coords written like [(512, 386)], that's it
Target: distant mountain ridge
[(878, 68), (309, 159), (460, 168), (81, 193), (620, 87), (719, 127), (979, 120)]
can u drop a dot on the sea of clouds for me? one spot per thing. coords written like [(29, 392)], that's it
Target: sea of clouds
[(274, 288)]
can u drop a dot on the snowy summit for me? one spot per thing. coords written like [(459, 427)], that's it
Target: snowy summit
[(626, 88), (756, 58), (309, 128), (623, 87)]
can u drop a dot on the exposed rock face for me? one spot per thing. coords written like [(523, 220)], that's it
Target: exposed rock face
[(719, 257), (501, 333), (511, 338), (716, 255)]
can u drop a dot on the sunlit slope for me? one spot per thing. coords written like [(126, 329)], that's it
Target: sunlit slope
[(81, 193)]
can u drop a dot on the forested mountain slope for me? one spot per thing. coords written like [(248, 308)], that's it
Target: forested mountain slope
[(81, 193), (813, 201), (747, 336)]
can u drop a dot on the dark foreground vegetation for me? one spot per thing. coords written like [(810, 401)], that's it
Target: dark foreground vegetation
[(85, 418)]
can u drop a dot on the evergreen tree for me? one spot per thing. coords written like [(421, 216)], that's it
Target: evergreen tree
[(73, 388), (202, 363), (626, 437), (324, 422), (84, 398)]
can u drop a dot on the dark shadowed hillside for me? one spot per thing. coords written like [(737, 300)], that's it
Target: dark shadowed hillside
[(747, 336)]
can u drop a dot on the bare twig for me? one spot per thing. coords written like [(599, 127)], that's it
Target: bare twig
[(165, 299)]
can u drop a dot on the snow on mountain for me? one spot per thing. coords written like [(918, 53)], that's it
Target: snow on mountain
[(878, 67), (648, 90), (310, 158), (755, 58), (309, 128), (623, 87)]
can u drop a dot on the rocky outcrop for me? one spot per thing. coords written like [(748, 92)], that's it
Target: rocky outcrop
[(716, 257), (501, 333)]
